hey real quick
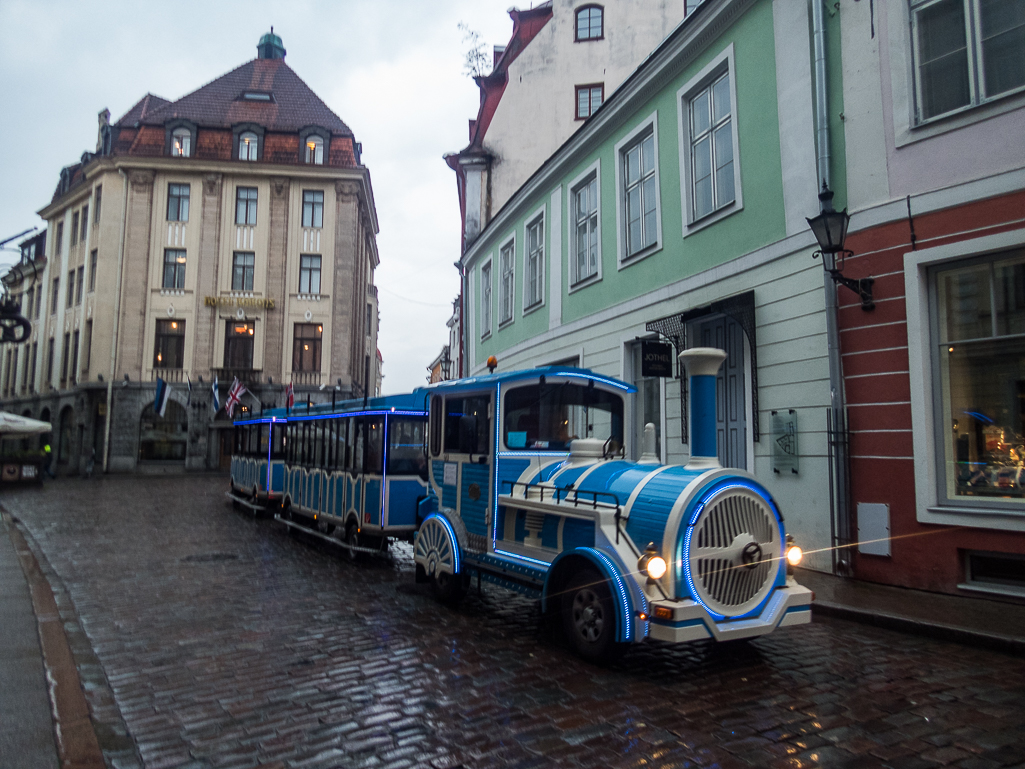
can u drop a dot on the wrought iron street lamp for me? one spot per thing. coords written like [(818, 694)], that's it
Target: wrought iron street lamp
[(830, 229)]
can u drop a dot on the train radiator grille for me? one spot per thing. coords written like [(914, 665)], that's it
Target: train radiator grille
[(734, 551)]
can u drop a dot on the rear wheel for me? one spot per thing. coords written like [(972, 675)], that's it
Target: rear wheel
[(352, 539), (448, 588), (589, 617)]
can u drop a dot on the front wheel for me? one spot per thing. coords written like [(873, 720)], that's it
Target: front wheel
[(352, 539), (589, 617)]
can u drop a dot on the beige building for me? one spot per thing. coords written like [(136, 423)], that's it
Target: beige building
[(228, 234)]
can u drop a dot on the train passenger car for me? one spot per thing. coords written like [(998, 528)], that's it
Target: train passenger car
[(357, 471), (258, 461), (530, 489)]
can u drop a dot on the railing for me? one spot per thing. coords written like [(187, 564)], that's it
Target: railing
[(569, 496), (306, 378), (167, 374), (247, 376)]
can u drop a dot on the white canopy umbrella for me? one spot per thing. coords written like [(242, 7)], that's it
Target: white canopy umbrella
[(14, 426)]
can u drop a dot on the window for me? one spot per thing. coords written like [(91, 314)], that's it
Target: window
[(29, 296), (370, 319), (315, 150), (238, 344), (589, 98), (32, 365), (485, 300), (306, 346), (59, 239), (585, 240), (88, 346), (248, 146), (406, 447), (169, 347), (49, 360), (81, 285), (97, 198), (966, 52), (245, 205), (56, 295), (507, 264), (313, 208), (711, 148), (534, 264), (71, 287), (243, 267), (589, 23), (85, 222), (468, 425), (639, 192), (174, 268), (74, 356), (177, 202), (92, 270), (74, 228), (64, 359), (979, 362), (309, 274), (181, 143), (549, 416)]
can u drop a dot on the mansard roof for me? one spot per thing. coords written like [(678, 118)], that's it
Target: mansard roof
[(291, 105)]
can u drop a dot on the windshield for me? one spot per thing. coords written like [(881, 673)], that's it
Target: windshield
[(550, 415)]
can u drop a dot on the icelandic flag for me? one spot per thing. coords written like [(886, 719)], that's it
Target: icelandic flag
[(216, 405), (290, 395), (163, 395), (234, 396)]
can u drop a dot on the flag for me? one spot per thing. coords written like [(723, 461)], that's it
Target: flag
[(234, 396), (289, 395), (188, 401), (216, 405), (163, 395)]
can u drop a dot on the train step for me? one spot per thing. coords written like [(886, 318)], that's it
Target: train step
[(248, 503), (326, 538)]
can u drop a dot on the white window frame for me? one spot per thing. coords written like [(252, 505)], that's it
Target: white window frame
[(538, 217), (973, 46), (487, 292), (507, 304), (723, 63), (592, 171), (248, 146), (640, 132), (182, 149), (926, 444), (314, 154)]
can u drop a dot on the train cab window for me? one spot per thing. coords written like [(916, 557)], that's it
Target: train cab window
[(468, 425), (406, 447), (550, 415)]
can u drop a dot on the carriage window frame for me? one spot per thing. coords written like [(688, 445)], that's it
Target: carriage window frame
[(452, 441)]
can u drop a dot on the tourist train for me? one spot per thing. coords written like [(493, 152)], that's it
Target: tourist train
[(520, 478)]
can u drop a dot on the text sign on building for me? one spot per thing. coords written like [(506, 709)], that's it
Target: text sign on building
[(784, 442), (656, 358), (239, 301)]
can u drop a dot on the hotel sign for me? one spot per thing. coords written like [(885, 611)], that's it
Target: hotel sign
[(239, 301)]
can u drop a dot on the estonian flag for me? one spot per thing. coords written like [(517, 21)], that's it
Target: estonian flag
[(216, 404), (163, 394), (188, 401)]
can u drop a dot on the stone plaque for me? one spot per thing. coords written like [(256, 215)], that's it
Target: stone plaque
[(784, 442)]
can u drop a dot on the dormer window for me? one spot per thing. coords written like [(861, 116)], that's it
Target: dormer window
[(315, 150), (590, 23), (256, 96), (248, 146), (181, 143)]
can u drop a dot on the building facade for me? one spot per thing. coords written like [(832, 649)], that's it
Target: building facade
[(228, 234)]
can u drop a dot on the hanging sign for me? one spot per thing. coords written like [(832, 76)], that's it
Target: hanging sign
[(656, 358)]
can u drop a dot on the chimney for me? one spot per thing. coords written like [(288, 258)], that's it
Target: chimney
[(702, 367)]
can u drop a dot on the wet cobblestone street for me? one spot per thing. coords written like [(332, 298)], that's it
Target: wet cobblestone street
[(221, 641)]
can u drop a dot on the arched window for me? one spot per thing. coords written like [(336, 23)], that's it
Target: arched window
[(590, 23), (181, 143), (163, 438), (315, 150), (248, 146)]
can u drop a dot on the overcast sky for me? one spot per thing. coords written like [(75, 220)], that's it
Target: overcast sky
[(391, 69)]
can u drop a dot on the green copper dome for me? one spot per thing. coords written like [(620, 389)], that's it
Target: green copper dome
[(270, 46)]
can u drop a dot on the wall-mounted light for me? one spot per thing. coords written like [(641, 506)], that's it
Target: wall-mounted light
[(830, 229)]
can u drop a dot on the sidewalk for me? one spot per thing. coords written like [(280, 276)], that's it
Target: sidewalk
[(27, 737), (974, 621)]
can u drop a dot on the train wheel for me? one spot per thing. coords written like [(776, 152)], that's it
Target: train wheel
[(436, 550), (352, 539), (589, 617)]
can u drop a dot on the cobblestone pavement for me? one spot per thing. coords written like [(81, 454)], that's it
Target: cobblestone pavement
[(227, 643)]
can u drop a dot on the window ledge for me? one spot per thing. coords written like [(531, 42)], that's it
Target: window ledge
[(308, 297), (505, 323), (174, 291), (630, 261), (960, 118), (485, 336), (980, 587), (533, 308), (712, 218), (585, 282)]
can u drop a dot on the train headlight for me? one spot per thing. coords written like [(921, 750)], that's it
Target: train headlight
[(651, 563), (794, 554)]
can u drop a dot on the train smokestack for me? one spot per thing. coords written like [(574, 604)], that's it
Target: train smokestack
[(702, 367)]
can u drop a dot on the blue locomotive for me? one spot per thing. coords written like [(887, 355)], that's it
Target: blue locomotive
[(520, 478)]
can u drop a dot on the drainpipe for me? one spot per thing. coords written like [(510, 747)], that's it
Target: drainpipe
[(844, 526), (117, 319)]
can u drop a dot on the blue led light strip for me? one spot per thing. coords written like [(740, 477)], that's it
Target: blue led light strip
[(369, 413), (627, 619), (506, 553), (494, 484), (452, 536)]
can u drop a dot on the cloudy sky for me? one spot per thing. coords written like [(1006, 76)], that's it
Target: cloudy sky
[(391, 69)]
